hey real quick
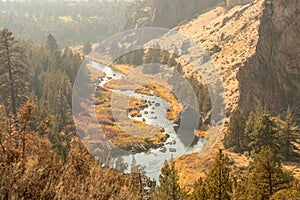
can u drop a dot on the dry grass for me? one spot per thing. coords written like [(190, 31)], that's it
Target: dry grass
[(112, 121), (124, 69), (121, 130), (168, 96), (127, 85)]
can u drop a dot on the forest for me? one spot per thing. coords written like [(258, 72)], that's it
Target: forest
[(71, 23), (41, 156)]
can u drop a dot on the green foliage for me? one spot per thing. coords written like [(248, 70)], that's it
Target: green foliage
[(220, 183), (286, 195), (13, 68), (71, 24), (236, 138), (87, 48), (288, 135), (265, 133), (200, 190), (51, 44), (267, 176), (169, 188)]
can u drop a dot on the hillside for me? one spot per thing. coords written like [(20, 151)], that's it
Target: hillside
[(272, 74), (208, 110), (240, 40)]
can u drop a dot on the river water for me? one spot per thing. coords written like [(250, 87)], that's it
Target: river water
[(154, 115)]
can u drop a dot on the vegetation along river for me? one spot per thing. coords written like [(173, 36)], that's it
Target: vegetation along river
[(154, 114)]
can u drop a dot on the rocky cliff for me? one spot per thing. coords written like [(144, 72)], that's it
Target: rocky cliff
[(256, 48), (272, 75), (167, 13)]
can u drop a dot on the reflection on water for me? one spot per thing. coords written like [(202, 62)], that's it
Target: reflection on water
[(181, 139)]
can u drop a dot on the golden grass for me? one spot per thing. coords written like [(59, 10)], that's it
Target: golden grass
[(201, 133), (124, 69), (121, 130), (124, 84), (168, 96), (143, 90)]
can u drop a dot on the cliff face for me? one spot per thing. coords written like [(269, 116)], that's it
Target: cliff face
[(166, 13), (272, 75)]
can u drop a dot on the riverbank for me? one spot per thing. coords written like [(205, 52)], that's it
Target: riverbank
[(158, 90), (127, 134)]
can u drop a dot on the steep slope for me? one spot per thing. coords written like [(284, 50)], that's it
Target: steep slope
[(272, 75), (230, 36), (167, 13), (256, 47)]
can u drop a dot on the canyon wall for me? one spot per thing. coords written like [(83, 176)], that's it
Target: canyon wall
[(272, 75), (167, 13)]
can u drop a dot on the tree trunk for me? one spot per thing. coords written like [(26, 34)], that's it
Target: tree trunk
[(11, 80)]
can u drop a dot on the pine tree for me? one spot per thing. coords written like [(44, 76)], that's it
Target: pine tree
[(169, 188), (236, 138), (87, 48), (265, 133), (267, 176), (138, 179), (287, 194), (51, 43), (12, 71), (200, 190), (172, 61), (220, 183), (288, 130), (121, 165)]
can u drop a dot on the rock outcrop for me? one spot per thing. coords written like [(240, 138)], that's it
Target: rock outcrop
[(272, 75), (167, 13)]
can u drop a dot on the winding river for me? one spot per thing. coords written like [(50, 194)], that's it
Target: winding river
[(154, 115)]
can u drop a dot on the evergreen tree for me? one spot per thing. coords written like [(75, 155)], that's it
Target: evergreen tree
[(267, 176), (287, 194), (137, 168), (121, 165), (138, 179), (249, 129), (219, 182), (236, 138), (51, 43), (136, 57), (172, 61), (87, 48), (288, 130), (264, 134), (169, 188), (200, 191), (12, 71)]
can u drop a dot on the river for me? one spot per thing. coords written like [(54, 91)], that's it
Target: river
[(154, 115)]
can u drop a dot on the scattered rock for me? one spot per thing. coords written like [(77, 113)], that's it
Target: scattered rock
[(163, 150)]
